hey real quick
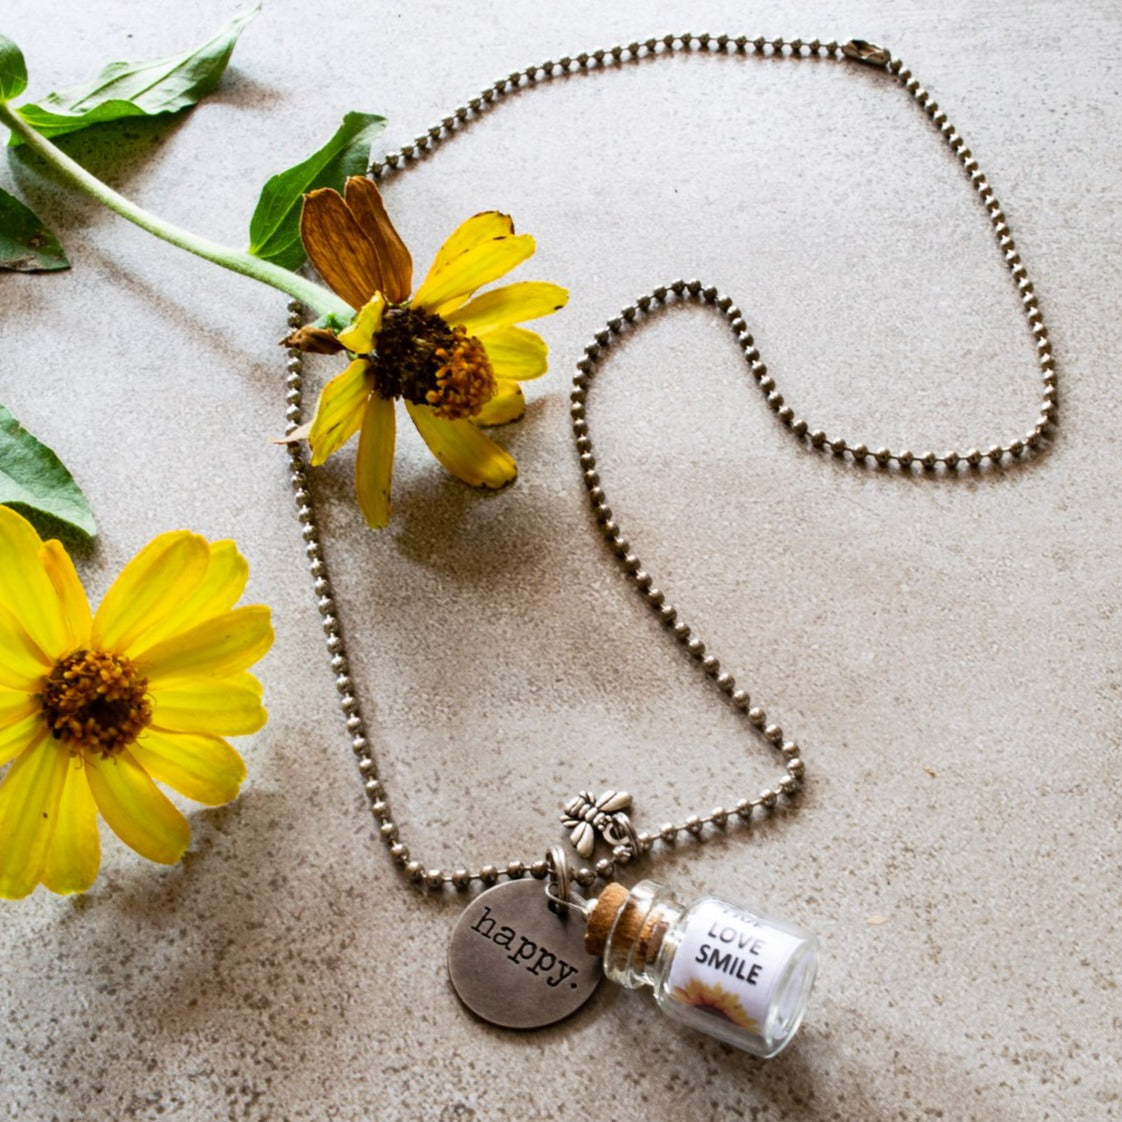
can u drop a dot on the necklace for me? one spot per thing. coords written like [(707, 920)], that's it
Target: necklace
[(504, 958)]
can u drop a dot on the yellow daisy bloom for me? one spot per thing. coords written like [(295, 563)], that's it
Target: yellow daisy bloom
[(715, 1000), (454, 358), (96, 707)]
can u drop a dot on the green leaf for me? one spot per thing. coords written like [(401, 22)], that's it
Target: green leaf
[(13, 70), (138, 89), (32, 475), (274, 229), (26, 245)]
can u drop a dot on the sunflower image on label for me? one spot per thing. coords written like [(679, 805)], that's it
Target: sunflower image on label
[(728, 965)]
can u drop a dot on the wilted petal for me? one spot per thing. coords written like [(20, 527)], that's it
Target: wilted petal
[(339, 249), (365, 201), (313, 340)]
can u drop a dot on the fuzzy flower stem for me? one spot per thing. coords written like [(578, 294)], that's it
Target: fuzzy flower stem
[(312, 295)]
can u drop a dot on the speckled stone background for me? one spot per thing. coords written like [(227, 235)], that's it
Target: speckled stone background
[(946, 651)]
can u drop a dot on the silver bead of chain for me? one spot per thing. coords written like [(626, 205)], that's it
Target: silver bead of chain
[(416, 871), (695, 826)]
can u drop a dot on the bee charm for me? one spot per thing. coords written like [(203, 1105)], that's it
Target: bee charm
[(586, 817)]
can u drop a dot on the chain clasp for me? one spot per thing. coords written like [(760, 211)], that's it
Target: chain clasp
[(869, 53)]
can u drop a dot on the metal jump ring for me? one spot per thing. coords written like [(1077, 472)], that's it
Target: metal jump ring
[(560, 881), (559, 884), (620, 832)]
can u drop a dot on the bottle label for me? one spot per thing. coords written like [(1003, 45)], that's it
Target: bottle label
[(727, 963)]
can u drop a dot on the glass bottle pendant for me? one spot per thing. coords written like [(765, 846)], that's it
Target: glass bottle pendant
[(729, 971)]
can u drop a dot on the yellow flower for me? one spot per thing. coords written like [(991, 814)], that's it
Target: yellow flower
[(454, 358), (95, 707), (715, 1000)]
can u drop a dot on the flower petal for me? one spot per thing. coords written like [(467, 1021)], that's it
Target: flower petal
[(339, 410), (20, 727), (167, 570), (506, 405), (137, 811), (29, 804), (216, 648), (229, 707), (446, 288), (22, 663), (26, 590), (466, 452), (374, 462), (359, 337), (72, 596), (365, 201), (512, 303), (516, 353), (339, 249), (296, 435), (313, 340), (478, 228), (75, 853), (204, 768), (217, 592), (14, 705)]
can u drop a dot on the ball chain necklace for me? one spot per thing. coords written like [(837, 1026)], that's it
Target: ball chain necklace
[(530, 950)]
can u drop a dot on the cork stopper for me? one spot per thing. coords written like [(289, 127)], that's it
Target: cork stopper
[(650, 938), (603, 917)]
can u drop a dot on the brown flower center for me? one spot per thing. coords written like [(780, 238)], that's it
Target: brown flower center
[(421, 358), (95, 701), (465, 382)]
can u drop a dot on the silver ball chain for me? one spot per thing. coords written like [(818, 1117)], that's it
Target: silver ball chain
[(680, 291)]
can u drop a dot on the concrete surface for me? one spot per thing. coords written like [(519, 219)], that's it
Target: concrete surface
[(947, 652)]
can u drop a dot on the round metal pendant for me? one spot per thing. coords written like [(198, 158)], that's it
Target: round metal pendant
[(515, 963)]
